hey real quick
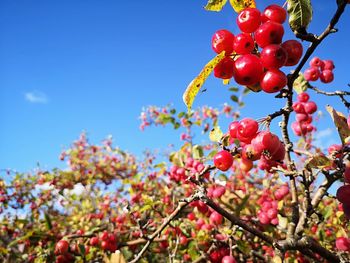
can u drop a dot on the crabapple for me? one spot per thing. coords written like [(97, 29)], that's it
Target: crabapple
[(248, 70), (223, 160), (274, 13), (273, 56), (273, 81), (269, 33), (327, 76), (248, 20), (303, 97), (243, 44), (294, 50), (224, 69), (222, 40), (312, 74)]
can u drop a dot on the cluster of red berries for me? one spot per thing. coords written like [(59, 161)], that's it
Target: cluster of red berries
[(320, 69), (108, 241), (180, 174), (62, 252), (304, 108), (243, 61)]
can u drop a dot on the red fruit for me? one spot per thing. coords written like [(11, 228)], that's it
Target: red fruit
[(248, 70), (249, 152), (219, 191), (94, 241), (298, 107), (273, 56), (223, 160), (61, 247), (294, 50), (269, 33), (300, 117), (310, 107), (243, 44), (280, 153), (224, 69), (327, 76), (215, 218), (263, 218), (272, 213), (328, 64), (222, 40), (247, 127), (105, 245), (273, 81), (249, 20), (299, 129), (311, 74), (191, 216), (233, 129), (335, 148), (245, 165), (343, 194), (342, 243), (183, 240), (347, 174), (316, 62), (303, 97), (104, 236), (228, 259), (274, 13)]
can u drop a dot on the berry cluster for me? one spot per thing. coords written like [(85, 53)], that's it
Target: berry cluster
[(108, 241), (269, 206), (62, 252), (179, 174), (304, 108), (244, 62), (320, 69)]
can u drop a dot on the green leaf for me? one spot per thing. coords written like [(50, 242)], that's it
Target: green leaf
[(300, 84), (240, 207), (22, 238), (197, 152), (196, 84), (82, 249), (215, 5), (181, 114), (300, 14), (215, 134), (234, 98), (173, 111), (234, 89), (48, 221)]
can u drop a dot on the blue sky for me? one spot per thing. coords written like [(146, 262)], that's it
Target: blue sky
[(80, 65)]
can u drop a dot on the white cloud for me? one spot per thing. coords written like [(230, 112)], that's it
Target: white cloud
[(325, 138), (36, 97)]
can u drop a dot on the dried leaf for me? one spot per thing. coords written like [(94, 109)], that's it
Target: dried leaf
[(318, 161), (300, 84), (215, 5), (254, 88), (239, 5), (196, 84), (300, 14), (340, 122)]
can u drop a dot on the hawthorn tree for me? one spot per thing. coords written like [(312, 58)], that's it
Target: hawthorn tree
[(247, 195)]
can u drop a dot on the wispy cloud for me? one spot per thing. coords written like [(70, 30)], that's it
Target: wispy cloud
[(36, 97), (325, 138)]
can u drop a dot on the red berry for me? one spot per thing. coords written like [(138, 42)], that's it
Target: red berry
[(223, 160), (269, 33), (300, 117), (249, 152), (316, 62), (298, 107), (94, 241), (299, 128), (245, 165), (248, 70), (311, 74), (303, 97), (274, 13), (294, 50), (247, 127), (263, 218), (249, 20), (342, 243), (273, 56), (328, 64), (233, 129), (326, 76), (273, 81), (280, 153), (61, 247), (228, 259), (310, 107), (347, 174), (343, 194), (215, 218), (224, 69), (243, 44), (222, 40)]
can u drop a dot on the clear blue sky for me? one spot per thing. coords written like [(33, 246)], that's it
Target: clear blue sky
[(73, 65)]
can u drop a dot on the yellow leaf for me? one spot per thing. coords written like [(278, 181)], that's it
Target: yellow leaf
[(318, 161), (215, 5), (215, 134), (277, 259), (196, 84), (116, 257), (226, 81), (340, 122), (239, 5)]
